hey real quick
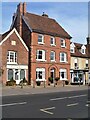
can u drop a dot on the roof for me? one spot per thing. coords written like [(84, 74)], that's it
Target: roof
[(4, 35), (45, 25), (7, 34), (77, 52)]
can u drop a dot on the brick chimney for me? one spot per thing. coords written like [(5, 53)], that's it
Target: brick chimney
[(88, 40), (21, 11), (24, 8)]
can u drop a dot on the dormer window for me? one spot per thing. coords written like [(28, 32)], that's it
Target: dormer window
[(83, 49), (63, 44), (72, 48)]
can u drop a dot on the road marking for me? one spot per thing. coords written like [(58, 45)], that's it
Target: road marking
[(69, 105), (44, 110), (58, 98), (78, 96), (13, 104), (68, 97), (87, 105)]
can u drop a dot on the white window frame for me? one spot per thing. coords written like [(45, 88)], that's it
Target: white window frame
[(43, 74), (8, 57), (83, 49), (65, 74), (42, 42), (53, 56), (43, 55), (86, 63), (65, 57), (72, 50), (52, 44), (64, 42)]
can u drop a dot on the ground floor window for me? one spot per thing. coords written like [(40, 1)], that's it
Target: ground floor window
[(40, 74), (16, 74), (10, 74), (22, 73), (63, 74)]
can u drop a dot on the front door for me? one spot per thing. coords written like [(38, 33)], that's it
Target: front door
[(17, 76), (53, 74)]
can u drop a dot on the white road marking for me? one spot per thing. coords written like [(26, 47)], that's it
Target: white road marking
[(87, 105), (58, 98), (13, 104), (69, 105), (53, 99), (78, 96), (44, 110)]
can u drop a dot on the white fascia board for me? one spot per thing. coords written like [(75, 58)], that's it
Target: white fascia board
[(14, 30), (17, 66)]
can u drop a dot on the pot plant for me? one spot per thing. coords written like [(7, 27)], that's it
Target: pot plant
[(56, 79), (38, 83), (11, 82), (50, 79), (24, 81)]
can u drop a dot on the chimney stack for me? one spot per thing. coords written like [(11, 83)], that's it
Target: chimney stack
[(88, 40), (24, 8)]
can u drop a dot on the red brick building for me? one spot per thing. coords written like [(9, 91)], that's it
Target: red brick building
[(48, 44), (14, 57)]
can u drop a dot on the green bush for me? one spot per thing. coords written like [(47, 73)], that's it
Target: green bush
[(50, 79), (24, 81), (57, 78), (66, 82), (11, 82), (38, 83)]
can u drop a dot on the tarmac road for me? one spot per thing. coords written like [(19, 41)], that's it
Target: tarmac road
[(69, 105)]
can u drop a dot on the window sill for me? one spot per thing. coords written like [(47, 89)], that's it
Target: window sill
[(40, 80), (53, 45), (41, 43), (63, 61), (63, 46), (41, 60), (13, 63), (53, 61)]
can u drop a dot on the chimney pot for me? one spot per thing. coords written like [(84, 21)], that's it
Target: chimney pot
[(45, 15)]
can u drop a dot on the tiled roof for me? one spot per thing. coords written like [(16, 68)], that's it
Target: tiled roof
[(78, 53), (4, 35), (45, 25)]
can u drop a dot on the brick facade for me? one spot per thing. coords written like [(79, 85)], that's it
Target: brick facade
[(22, 55)]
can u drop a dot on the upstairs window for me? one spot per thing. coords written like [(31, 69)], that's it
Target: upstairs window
[(52, 56), (76, 63), (63, 57), (72, 49), (52, 41), (40, 55), (63, 44), (86, 63), (83, 49), (11, 57), (40, 39)]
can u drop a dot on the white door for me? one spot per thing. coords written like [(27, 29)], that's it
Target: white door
[(17, 76)]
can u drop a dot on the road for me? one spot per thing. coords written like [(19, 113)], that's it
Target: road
[(74, 104)]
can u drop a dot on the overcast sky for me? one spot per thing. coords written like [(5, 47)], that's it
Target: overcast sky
[(72, 16)]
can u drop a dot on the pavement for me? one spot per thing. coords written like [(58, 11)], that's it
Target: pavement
[(17, 90)]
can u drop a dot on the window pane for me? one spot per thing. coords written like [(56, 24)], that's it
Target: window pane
[(40, 38), (52, 56), (10, 74), (22, 74)]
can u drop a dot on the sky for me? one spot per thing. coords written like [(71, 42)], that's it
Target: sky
[(72, 16)]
